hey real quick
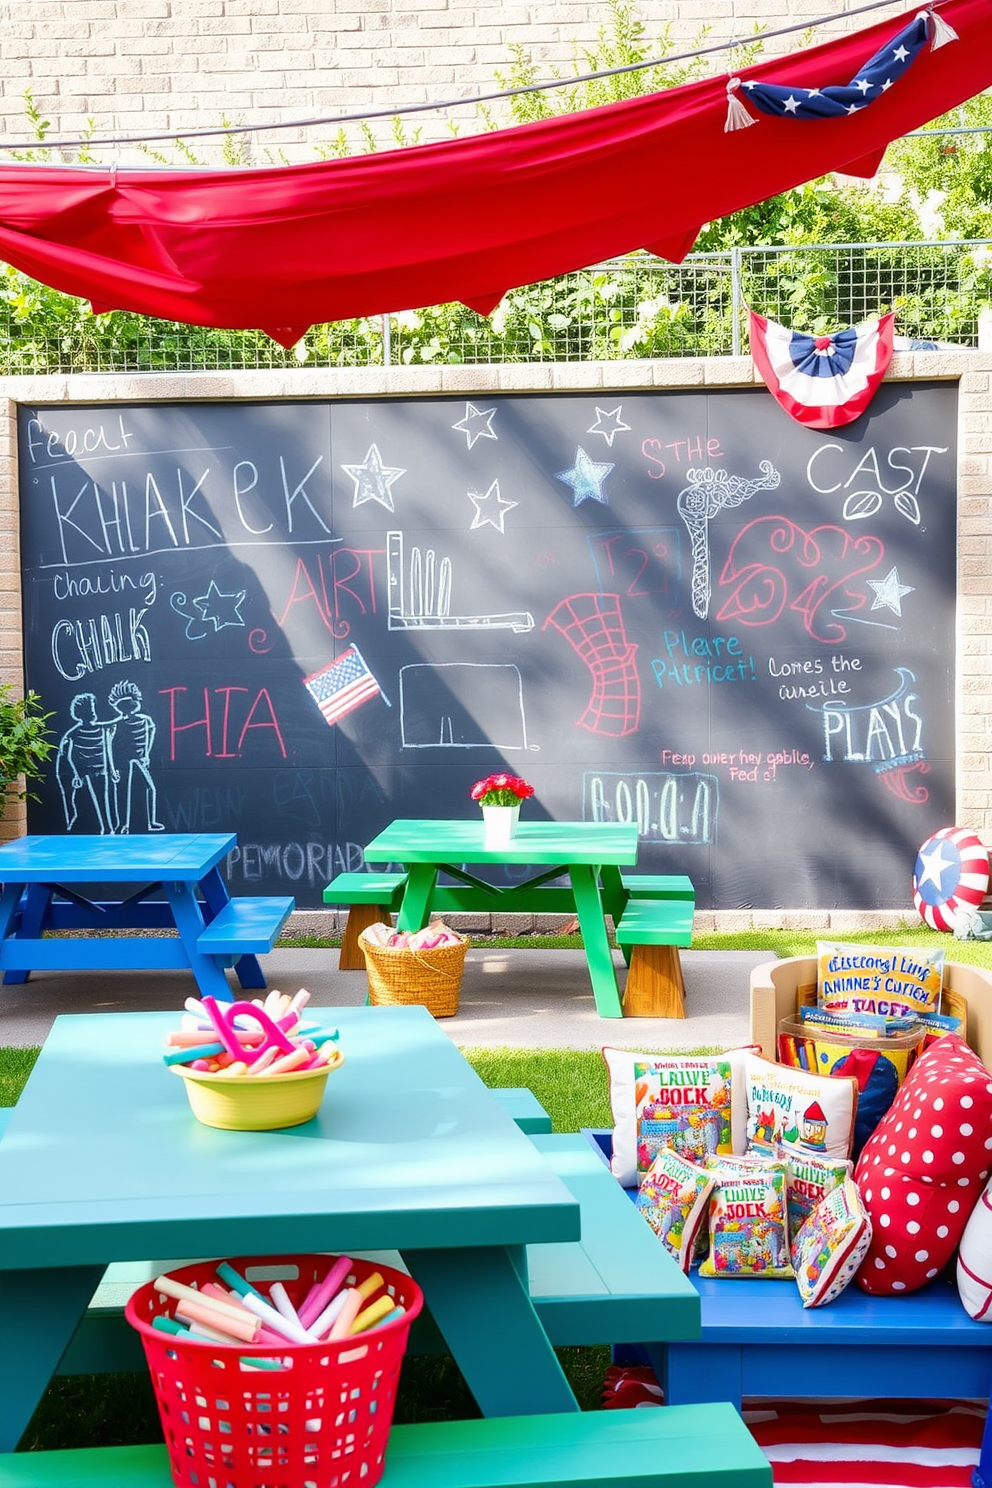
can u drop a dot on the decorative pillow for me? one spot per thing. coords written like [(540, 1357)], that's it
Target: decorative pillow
[(793, 1108), (975, 1260), (749, 1230), (924, 1167), (894, 981), (693, 1104), (808, 1180), (673, 1199), (831, 1245)]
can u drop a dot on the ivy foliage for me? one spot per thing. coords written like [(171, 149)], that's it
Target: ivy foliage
[(640, 307)]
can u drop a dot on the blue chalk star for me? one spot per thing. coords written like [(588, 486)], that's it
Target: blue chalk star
[(586, 479)]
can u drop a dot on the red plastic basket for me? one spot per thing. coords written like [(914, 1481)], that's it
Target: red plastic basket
[(319, 1419)]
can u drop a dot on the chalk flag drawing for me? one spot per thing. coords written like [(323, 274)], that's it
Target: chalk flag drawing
[(593, 626), (462, 705), (130, 745), (373, 480), (709, 492), (343, 686), (97, 756), (609, 423), (425, 602), (477, 424), (586, 478)]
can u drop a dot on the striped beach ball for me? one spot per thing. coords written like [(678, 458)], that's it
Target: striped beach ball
[(952, 869)]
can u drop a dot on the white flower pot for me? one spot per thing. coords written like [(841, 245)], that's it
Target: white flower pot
[(499, 824)]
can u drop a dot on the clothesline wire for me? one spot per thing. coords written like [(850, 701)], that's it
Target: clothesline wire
[(90, 142)]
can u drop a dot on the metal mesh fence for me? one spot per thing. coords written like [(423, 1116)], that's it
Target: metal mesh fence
[(635, 307)]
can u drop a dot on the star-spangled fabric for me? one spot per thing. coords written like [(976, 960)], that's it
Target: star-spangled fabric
[(837, 101), (822, 381), (952, 871), (342, 686)]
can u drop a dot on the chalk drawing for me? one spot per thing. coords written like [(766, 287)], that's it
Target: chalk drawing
[(422, 599), (462, 705), (889, 592), (594, 628), (477, 424), (373, 480), (586, 478), (216, 610), (129, 745), (608, 423), (711, 491), (490, 509)]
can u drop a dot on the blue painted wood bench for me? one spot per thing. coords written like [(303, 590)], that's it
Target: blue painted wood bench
[(247, 925), (371, 897), (689, 1448), (758, 1339), (655, 928)]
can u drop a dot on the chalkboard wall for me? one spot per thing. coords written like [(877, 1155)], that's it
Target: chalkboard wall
[(298, 620)]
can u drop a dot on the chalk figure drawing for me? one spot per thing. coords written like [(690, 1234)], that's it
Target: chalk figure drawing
[(422, 600), (709, 492), (104, 758), (594, 628), (462, 705)]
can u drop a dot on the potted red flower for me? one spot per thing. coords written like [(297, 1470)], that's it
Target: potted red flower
[(499, 796)]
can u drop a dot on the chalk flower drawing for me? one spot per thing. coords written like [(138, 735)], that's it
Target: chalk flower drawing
[(477, 424), (373, 480), (490, 509)]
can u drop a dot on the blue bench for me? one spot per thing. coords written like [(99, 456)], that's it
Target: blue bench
[(655, 928), (758, 1339), (246, 926), (372, 898), (689, 1448)]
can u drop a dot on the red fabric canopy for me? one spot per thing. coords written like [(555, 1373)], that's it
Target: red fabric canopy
[(293, 246)]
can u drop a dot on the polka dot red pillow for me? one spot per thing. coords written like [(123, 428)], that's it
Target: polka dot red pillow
[(924, 1166)]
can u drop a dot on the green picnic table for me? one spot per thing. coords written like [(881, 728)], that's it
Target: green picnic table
[(591, 854)]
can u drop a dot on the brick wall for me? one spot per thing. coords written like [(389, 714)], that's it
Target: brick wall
[(139, 66), (972, 371)]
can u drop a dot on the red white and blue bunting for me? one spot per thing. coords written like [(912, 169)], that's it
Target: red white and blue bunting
[(822, 381), (837, 101)]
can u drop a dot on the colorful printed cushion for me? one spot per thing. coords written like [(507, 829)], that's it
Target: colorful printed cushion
[(673, 1199), (793, 1108), (831, 1245), (748, 1222), (808, 1180), (693, 1104), (923, 1169), (975, 1260), (891, 981)]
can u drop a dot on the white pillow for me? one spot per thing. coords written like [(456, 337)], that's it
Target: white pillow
[(791, 1108), (707, 1113), (975, 1260)]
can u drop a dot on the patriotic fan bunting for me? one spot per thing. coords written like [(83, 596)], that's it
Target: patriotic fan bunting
[(952, 870), (837, 101), (822, 381)]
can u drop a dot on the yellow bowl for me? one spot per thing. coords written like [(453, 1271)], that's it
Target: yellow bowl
[(256, 1102)]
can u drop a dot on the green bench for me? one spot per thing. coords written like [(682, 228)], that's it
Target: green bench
[(371, 897), (658, 885), (246, 926), (655, 928), (685, 1446)]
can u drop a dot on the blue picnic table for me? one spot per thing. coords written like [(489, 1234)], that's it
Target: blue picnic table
[(42, 881)]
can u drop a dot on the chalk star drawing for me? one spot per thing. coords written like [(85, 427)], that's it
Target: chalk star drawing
[(889, 591), (608, 430), (490, 509), (373, 480), (477, 424), (586, 478), (219, 609)]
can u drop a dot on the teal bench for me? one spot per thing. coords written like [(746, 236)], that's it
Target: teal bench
[(679, 1447), (655, 928), (616, 1284), (246, 926), (371, 897)]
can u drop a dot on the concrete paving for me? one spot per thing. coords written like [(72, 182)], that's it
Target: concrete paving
[(516, 998)]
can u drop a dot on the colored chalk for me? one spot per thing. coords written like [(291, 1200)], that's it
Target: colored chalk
[(236, 1282), (371, 1284), (275, 1320), (321, 1325), (237, 1324), (166, 1324), (197, 1055), (372, 1314), (279, 1298), (181, 1292), (349, 1311), (287, 1063), (319, 1296)]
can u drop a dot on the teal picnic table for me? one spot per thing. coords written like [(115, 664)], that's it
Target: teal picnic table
[(590, 854), (102, 1161)]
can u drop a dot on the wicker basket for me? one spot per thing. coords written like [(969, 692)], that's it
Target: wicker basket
[(398, 975)]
